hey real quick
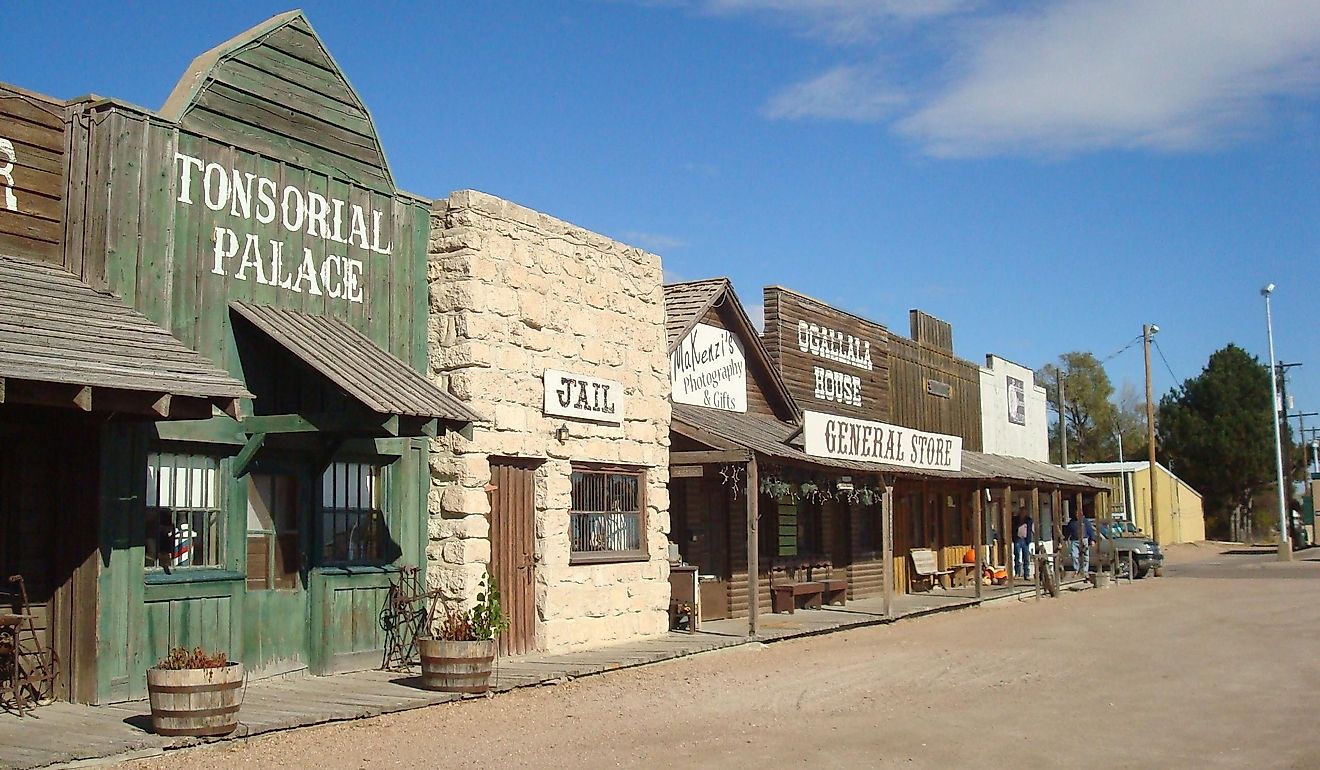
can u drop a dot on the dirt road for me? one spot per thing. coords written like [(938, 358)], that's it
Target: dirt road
[(1214, 665)]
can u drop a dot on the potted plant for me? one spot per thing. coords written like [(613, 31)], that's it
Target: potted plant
[(193, 692), (458, 655)]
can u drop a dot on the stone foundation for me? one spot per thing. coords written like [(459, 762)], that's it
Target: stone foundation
[(512, 293)]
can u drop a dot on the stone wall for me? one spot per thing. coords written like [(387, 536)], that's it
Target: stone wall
[(512, 293)]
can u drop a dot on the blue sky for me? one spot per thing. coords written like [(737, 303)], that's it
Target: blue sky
[(1045, 176)]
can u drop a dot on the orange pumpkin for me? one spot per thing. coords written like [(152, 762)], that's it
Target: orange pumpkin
[(969, 557)]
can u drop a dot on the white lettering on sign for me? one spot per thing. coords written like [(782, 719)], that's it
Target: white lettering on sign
[(833, 386), (7, 160), (708, 368), (246, 196), (845, 438), (833, 345), (582, 397)]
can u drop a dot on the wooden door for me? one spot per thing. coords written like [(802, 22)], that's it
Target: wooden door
[(513, 549)]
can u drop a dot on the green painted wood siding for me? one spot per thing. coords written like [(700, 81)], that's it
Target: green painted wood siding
[(160, 253)]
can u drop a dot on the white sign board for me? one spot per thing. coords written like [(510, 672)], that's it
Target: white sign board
[(583, 397), (709, 369), (844, 438)]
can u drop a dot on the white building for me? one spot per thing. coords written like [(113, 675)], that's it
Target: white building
[(1013, 416)]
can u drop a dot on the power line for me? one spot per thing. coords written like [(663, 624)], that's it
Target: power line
[(1111, 356), (1160, 350)]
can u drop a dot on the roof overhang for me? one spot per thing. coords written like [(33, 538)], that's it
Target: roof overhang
[(65, 344), (381, 382)]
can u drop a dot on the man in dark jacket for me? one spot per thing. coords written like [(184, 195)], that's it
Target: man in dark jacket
[(1082, 538), (1023, 531)]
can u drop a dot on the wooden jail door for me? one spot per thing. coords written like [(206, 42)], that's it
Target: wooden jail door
[(513, 549)]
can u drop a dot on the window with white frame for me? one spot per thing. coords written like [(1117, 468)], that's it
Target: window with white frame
[(607, 515), (353, 527), (185, 520)]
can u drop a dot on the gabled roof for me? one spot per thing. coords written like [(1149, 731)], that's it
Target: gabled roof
[(688, 302), (275, 89), (56, 329), (1130, 466)]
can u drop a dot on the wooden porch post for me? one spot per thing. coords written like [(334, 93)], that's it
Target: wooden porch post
[(753, 543), (979, 513), (1081, 536), (1006, 533), (1056, 531), (1035, 528), (887, 533)]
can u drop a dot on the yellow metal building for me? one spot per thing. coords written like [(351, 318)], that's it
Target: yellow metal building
[(1181, 515)]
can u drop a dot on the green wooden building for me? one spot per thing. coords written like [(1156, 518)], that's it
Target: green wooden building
[(256, 219)]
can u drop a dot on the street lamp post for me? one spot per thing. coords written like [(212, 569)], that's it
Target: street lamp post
[(1285, 545), (1147, 332)]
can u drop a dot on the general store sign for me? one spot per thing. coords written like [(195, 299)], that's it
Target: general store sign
[(582, 397), (708, 368), (845, 438)]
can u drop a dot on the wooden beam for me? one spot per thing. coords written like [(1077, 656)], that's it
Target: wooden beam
[(1006, 516), (887, 536), (232, 407), (346, 423), (161, 406), (247, 454), (1036, 546), (715, 456), (979, 512), (753, 544)]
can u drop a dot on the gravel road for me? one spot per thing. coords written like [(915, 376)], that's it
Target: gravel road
[(1213, 665)]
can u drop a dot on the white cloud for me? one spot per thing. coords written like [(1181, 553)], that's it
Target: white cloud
[(843, 93), (1157, 74), (838, 21)]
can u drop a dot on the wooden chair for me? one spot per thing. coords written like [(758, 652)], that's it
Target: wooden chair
[(924, 568)]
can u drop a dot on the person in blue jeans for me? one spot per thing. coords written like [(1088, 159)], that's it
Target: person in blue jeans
[(1087, 536), (1022, 534)]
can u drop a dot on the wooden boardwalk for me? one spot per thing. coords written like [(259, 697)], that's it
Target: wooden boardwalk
[(64, 733)]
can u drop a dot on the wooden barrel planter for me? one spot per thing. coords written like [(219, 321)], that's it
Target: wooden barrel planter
[(456, 666), (195, 701)]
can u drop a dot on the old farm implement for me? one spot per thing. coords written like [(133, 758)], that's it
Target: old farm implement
[(27, 666)]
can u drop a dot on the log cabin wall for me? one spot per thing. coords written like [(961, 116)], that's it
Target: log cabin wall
[(830, 360), (33, 174), (932, 389)]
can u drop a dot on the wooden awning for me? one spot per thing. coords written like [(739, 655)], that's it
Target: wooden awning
[(778, 440), (63, 343), (379, 380)]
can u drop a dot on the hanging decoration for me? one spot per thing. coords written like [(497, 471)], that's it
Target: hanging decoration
[(731, 476)]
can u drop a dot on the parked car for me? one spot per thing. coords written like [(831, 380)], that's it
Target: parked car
[(1123, 541)]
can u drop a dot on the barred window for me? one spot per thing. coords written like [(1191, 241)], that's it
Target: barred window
[(353, 527), (606, 517), (185, 525)]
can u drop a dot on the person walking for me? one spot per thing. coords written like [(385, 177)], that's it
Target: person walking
[(1022, 534), (1081, 533)]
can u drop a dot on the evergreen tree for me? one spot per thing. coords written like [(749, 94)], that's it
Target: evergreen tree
[(1215, 429)]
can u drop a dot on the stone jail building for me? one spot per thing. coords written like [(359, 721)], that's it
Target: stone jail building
[(555, 335)]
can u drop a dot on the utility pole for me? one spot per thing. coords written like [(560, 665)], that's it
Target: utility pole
[(1148, 331), (1281, 372), (1063, 422), (1285, 544)]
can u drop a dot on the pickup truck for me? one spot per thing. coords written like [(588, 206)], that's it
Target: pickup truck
[(1129, 545)]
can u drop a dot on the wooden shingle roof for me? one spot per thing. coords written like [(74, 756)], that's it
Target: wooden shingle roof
[(686, 304), (376, 378), (56, 329)]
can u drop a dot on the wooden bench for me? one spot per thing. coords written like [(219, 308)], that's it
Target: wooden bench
[(836, 592), (784, 596), (924, 568)]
